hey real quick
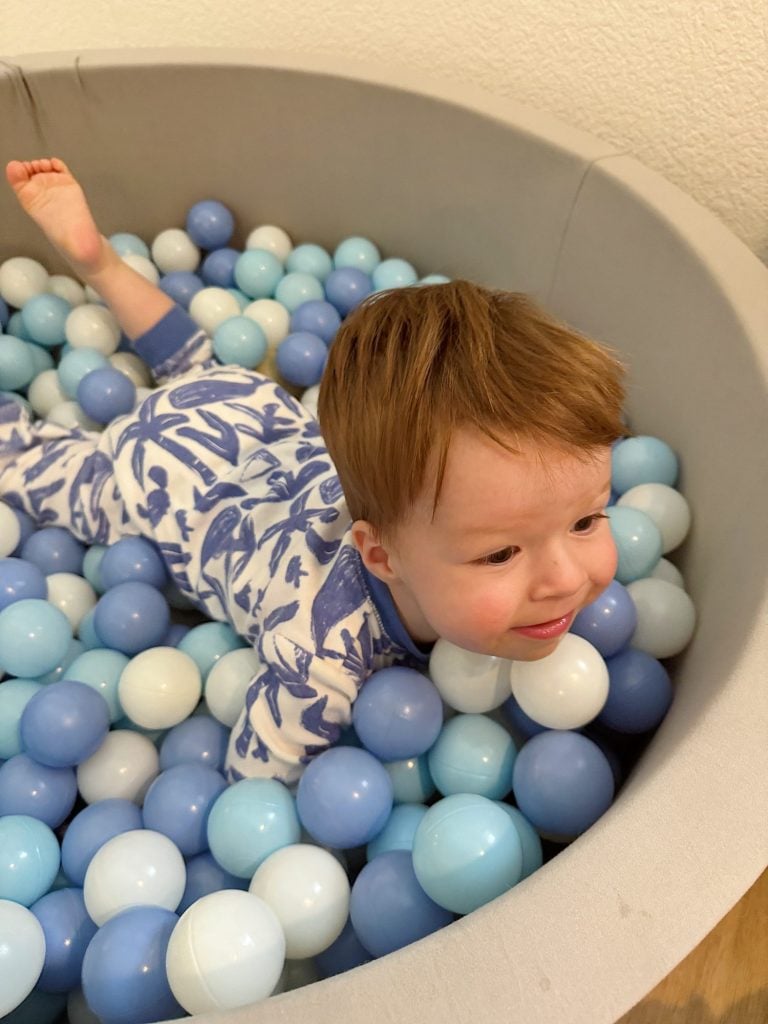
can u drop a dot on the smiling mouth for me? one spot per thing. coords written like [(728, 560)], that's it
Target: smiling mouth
[(547, 630)]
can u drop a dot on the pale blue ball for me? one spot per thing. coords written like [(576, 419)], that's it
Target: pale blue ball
[(309, 259), (17, 366), (642, 460), (44, 317), (638, 541), (399, 830), (357, 252), (473, 754), (250, 820), (411, 780), (257, 273), (126, 244), (29, 858), (533, 855), (75, 365), (15, 694), (208, 642), (295, 289), (240, 341), (393, 273), (34, 637)]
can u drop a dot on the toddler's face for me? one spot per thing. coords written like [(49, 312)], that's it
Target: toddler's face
[(516, 548)]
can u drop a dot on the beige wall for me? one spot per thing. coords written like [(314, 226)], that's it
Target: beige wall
[(680, 84)]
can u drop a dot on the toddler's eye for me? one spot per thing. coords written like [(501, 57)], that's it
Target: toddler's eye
[(499, 557), (588, 522)]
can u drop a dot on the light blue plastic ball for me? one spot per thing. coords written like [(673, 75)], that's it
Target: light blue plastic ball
[(393, 273), (54, 549), (346, 288), (344, 797), (208, 642), (240, 341), (563, 782), (399, 830), (41, 357), (318, 317), (75, 649), (639, 692), (44, 317), (64, 724), (251, 819), (179, 802), (257, 273), (411, 780), (398, 714), (530, 841), (133, 559), (15, 694), (90, 829), (473, 754), (638, 541), (127, 244), (642, 460), (17, 367), (359, 253), (466, 852), (301, 358), (106, 393), (130, 617), (86, 632), (15, 327), (295, 289), (609, 621), (101, 668), (75, 364), (33, 789), (309, 259), (434, 279), (29, 858), (181, 286), (210, 224), (91, 568), (34, 637), (67, 929)]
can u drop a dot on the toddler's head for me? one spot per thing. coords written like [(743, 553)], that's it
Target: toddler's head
[(471, 433)]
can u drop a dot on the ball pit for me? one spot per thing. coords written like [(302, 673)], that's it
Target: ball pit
[(593, 234)]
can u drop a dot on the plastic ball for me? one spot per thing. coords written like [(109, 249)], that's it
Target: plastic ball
[(399, 830), (64, 724), (240, 341), (15, 694), (393, 273), (173, 249), (125, 243), (642, 460), (178, 804), (609, 621), (566, 689), (132, 559), (666, 617), (76, 364), (27, 524), (271, 238), (522, 724), (101, 669), (665, 570), (160, 687), (397, 714), (227, 683), (90, 829), (218, 267), (124, 974), (638, 542), (308, 891), (41, 359), (36, 790), (122, 768), (44, 317), (209, 642), (72, 595), (200, 740), (343, 955), (19, 578), (251, 819), (17, 367), (29, 858), (357, 252), (293, 290), (106, 393), (257, 273), (273, 318), (210, 224), (20, 279), (316, 317), (434, 279), (139, 868), (227, 951), (640, 693), (563, 782), (16, 328), (212, 306), (346, 288), (143, 266), (473, 754), (132, 616), (182, 286), (22, 954), (34, 637), (205, 876), (54, 549), (69, 414), (68, 288), (666, 507), (309, 258), (466, 852), (411, 780), (468, 682), (310, 397), (68, 929), (301, 358), (533, 856)]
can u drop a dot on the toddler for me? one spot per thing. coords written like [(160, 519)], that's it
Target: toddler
[(457, 491)]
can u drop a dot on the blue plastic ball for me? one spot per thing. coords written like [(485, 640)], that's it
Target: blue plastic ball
[(342, 955), (130, 617), (473, 754), (609, 621), (301, 359), (358, 253), (210, 224), (344, 797), (393, 273), (317, 317), (218, 268), (124, 977), (34, 637), (198, 740), (33, 789), (642, 460), (399, 830), (181, 286), (389, 909), (346, 288), (133, 559), (249, 820), (27, 526), (90, 829), (105, 394), (563, 782), (68, 929), (239, 340), (20, 579), (29, 858), (638, 542), (257, 273), (295, 289), (17, 367), (178, 804), (517, 718), (205, 876), (639, 692), (127, 244), (76, 364), (398, 714), (64, 724), (54, 549), (309, 259), (44, 317)]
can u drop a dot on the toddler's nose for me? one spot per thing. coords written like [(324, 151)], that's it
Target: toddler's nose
[(559, 577)]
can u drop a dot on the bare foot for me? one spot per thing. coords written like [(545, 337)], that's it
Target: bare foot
[(49, 193)]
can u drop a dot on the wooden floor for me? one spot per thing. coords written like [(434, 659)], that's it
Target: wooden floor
[(724, 980)]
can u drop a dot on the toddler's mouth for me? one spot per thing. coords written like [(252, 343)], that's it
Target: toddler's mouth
[(546, 630)]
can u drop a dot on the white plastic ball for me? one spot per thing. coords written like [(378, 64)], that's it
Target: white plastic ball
[(93, 326), (44, 393), (271, 238), (227, 951), (273, 318), (10, 530), (72, 595), (212, 306), (160, 687), (134, 368), (227, 683), (666, 617), (665, 570), (310, 397), (124, 766), (174, 250), (66, 288), (22, 954), (468, 682), (566, 689), (20, 279), (143, 266), (309, 892), (666, 507), (140, 868), (69, 414)]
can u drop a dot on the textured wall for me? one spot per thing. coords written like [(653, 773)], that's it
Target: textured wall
[(680, 84)]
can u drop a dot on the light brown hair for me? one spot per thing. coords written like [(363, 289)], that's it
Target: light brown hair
[(409, 366)]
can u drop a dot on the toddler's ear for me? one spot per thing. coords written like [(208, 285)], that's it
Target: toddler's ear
[(377, 559)]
